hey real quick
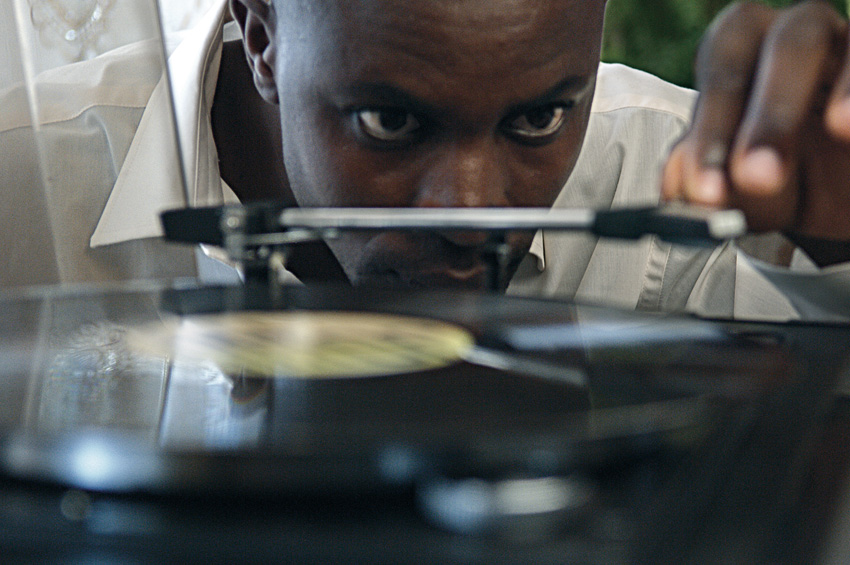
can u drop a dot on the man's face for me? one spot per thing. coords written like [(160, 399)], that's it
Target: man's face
[(433, 103)]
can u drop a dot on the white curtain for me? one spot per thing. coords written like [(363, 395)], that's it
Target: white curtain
[(182, 14), (65, 31)]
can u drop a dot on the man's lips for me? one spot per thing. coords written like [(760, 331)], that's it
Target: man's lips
[(422, 274), (423, 260), (469, 277)]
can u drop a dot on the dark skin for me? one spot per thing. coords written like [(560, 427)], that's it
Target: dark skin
[(247, 132), (485, 103)]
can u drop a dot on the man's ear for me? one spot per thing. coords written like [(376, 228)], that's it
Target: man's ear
[(258, 22)]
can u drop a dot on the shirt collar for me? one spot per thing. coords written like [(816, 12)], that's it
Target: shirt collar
[(151, 179), (538, 251)]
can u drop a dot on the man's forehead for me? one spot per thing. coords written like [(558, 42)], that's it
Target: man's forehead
[(499, 5), (469, 10), (544, 29)]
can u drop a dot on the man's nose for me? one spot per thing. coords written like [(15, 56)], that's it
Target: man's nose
[(465, 175)]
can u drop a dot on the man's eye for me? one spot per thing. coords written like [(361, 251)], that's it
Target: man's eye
[(540, 122), (387, 124)]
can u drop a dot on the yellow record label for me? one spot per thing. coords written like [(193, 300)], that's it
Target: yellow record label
[(306, 344)]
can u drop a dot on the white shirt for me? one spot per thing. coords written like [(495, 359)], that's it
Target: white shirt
[(106, 127)]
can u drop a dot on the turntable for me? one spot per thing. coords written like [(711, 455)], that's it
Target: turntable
[(151, 423), (148, 425), (266, 422)]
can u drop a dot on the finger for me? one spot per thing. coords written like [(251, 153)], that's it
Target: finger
[(725, 67), (684, 179), (838, 109), (671, 178), (796, 63)]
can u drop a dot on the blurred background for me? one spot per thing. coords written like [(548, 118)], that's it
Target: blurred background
[(661, 36)]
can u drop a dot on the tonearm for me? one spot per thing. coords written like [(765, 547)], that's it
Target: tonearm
[(257, 236)]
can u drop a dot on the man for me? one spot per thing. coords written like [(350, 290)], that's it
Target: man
[(503, 103), (488, 103)]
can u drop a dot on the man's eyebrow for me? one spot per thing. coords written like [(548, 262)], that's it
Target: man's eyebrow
[(379, 93), (385, 94), (577, 84)]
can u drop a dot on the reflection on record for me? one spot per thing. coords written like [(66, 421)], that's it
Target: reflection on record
[(306, 344)]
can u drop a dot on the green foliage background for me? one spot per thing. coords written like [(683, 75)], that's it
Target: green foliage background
[(661, 36)]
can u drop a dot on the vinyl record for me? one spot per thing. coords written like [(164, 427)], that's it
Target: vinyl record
[(250, 389)]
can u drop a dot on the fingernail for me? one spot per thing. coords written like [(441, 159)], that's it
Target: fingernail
[(760, 171), (710, 186)]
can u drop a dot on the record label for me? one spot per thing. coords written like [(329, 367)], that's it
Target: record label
[(306, 344)]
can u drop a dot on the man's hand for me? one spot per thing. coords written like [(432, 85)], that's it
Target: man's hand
[(771, 132)]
